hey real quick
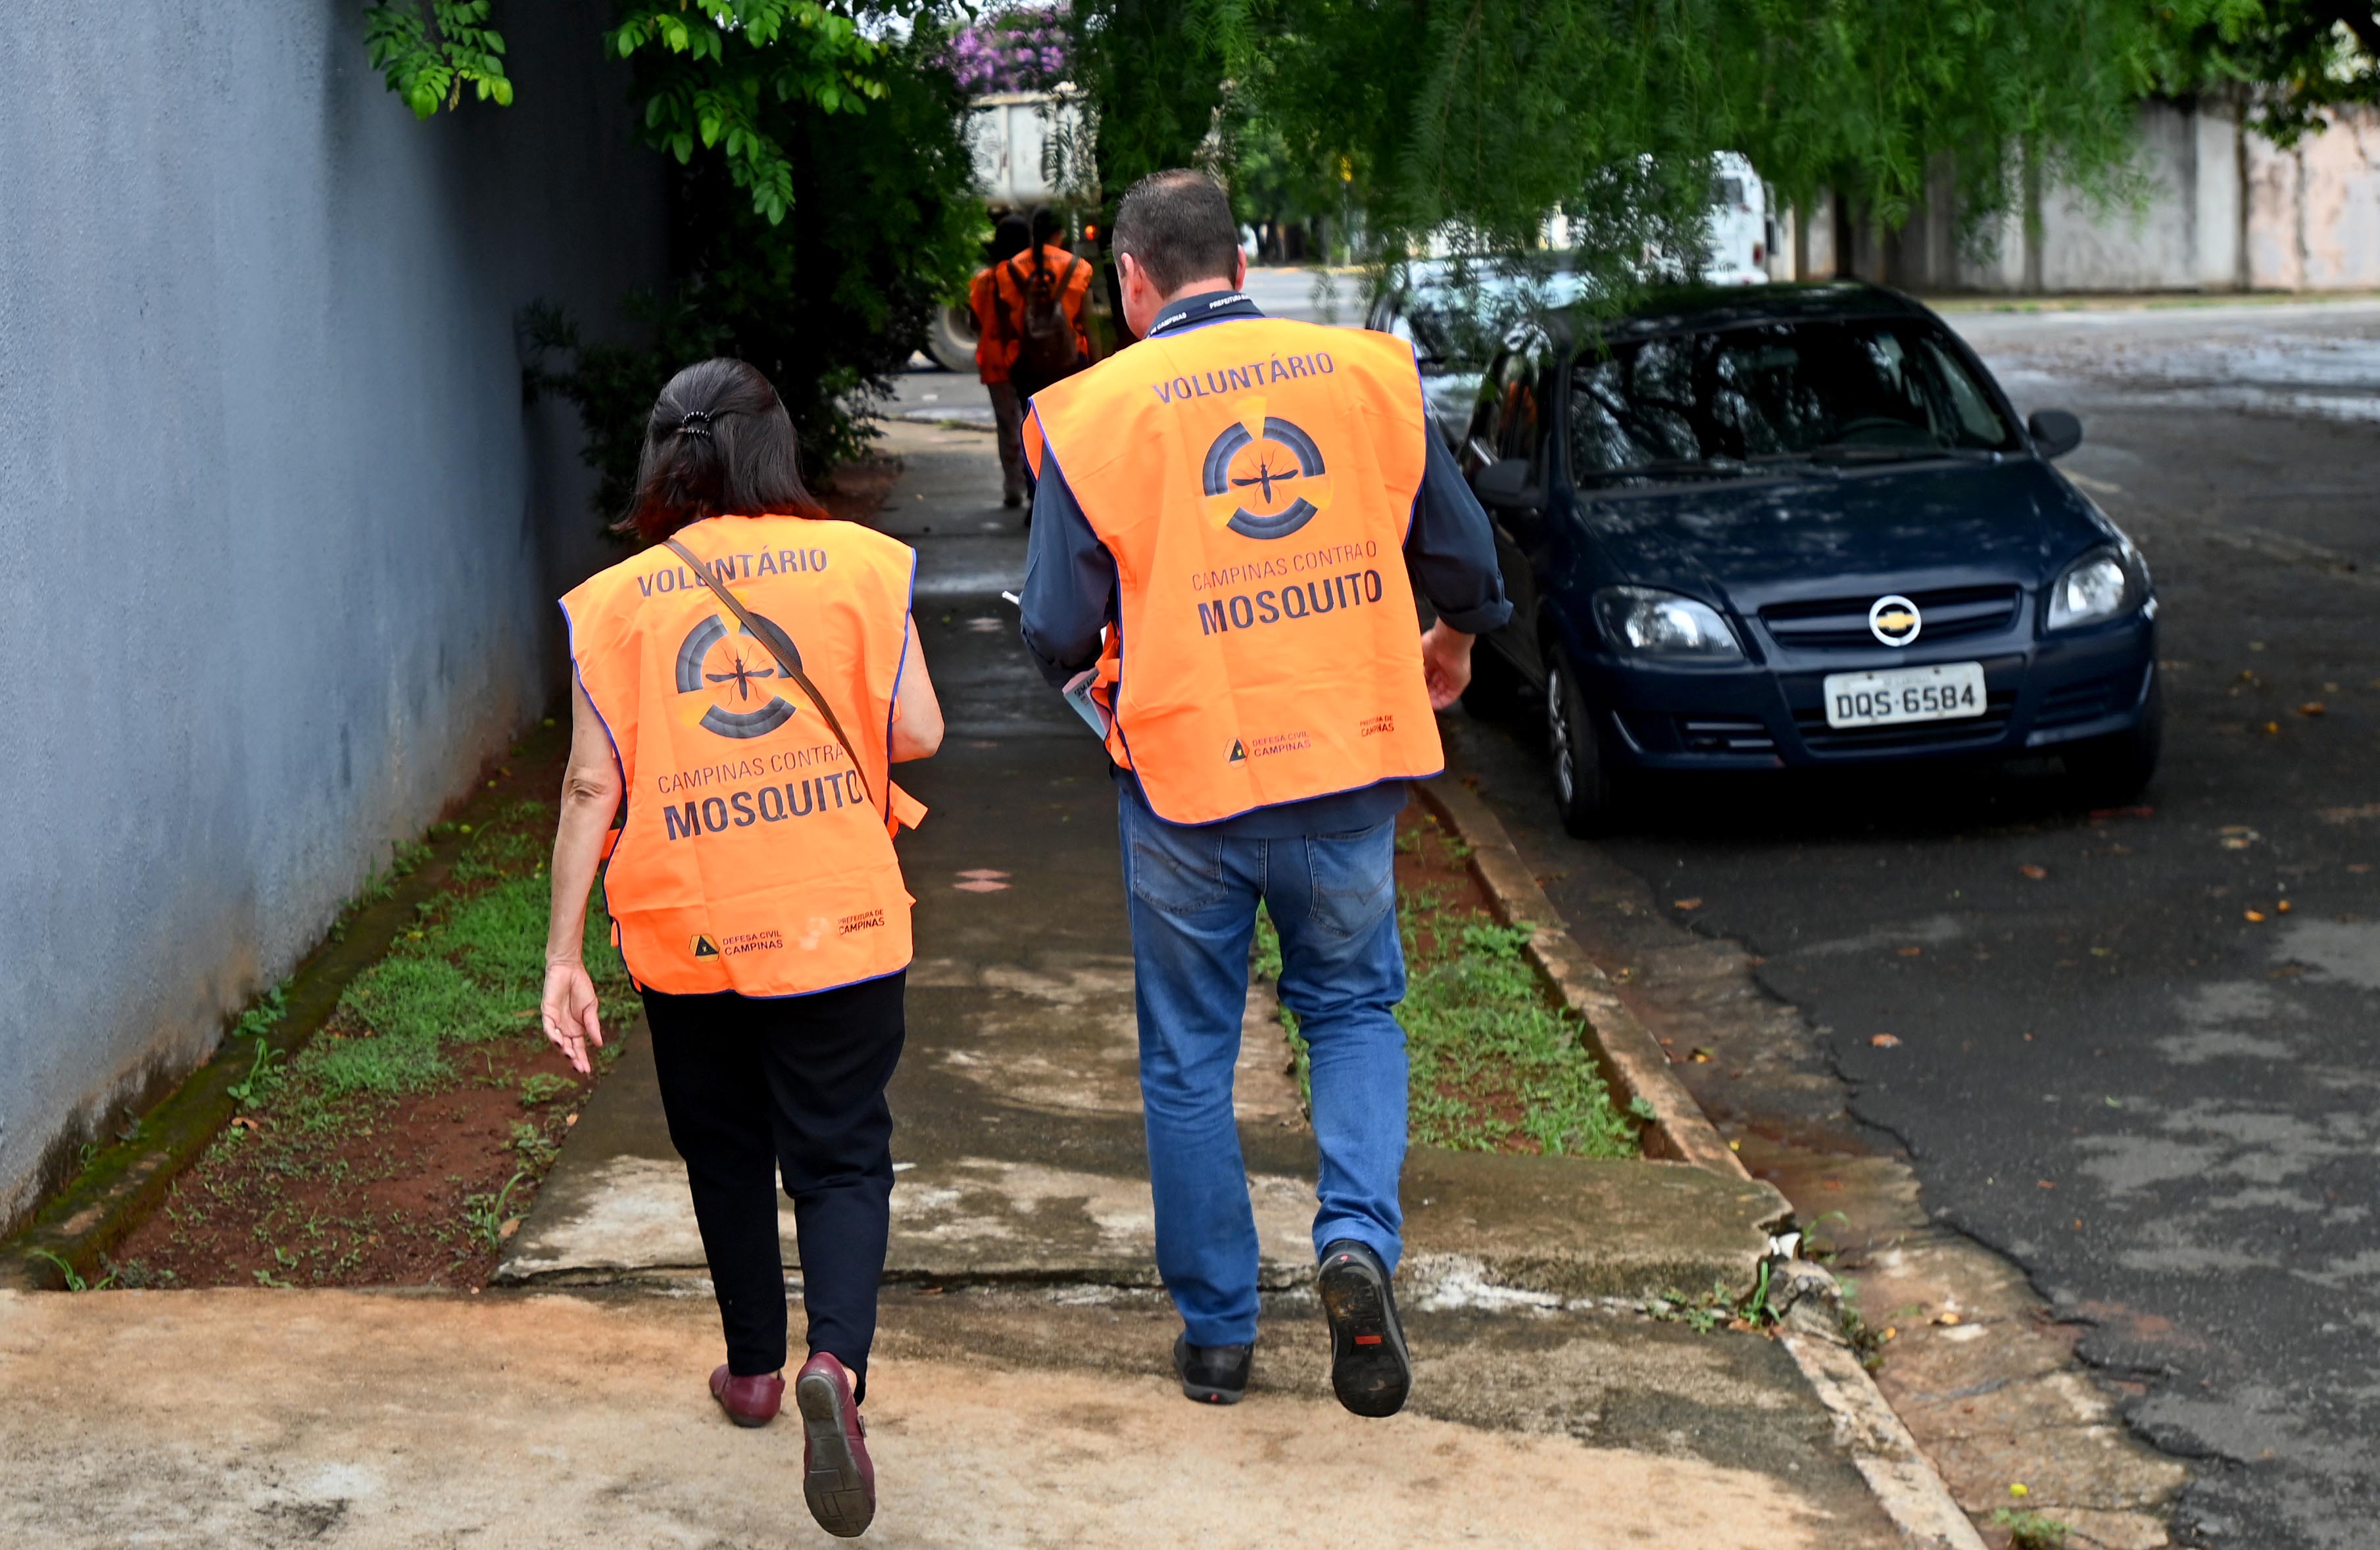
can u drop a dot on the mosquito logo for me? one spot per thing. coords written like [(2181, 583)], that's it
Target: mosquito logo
[(734, 675), (1264, 477)]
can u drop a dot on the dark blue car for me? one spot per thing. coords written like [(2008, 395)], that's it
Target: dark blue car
[(1798, 527)]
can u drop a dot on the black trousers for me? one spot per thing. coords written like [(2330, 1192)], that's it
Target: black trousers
[(794, 1085)]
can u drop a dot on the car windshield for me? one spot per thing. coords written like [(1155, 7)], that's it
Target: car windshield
[(1844, 391), (1454, 317)]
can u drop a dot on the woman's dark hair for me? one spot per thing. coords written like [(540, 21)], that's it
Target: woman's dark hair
[(1012, 236), (719, 444)]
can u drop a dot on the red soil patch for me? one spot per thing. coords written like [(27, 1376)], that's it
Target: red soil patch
[(365, 1190), (856, 490), (1431, 860)]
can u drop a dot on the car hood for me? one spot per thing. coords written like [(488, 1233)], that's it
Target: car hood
[(1896, 527)]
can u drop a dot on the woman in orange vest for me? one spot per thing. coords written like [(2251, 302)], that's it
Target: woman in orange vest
[(741, 687)]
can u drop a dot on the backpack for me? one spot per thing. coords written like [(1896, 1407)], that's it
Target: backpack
[(1046, 346)]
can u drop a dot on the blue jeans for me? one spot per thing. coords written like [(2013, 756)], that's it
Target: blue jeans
[(1193, 895)]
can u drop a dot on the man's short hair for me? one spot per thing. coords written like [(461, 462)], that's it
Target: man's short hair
[(1177, 226)]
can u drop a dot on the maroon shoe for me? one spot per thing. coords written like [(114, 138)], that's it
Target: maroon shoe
[(838, 1480), (749, 1401)]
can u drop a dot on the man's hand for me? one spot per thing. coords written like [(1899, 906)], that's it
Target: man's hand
[(1445, 664)]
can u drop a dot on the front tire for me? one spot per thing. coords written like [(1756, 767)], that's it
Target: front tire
[(950, 337), (2111, 772), (1583, 792)]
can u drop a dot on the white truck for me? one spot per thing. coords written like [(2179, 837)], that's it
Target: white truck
[(1740, 236), (1017, 140)]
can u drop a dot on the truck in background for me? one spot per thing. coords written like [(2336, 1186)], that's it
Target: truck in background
[(1016, 138)]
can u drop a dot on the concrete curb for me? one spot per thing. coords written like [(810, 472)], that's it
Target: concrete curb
[(1632, 1059), (1903, 1479)]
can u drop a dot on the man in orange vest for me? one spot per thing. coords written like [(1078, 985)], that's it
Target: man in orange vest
[(1225, 519), (995, 353)]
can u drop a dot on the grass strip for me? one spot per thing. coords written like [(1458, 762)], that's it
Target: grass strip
[(403, 1141), (1496, 1065), (120, 1176)]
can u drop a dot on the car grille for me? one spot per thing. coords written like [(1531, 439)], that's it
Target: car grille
[(1820, 738), (1836, 623), (2088, 700), (1706, 734)]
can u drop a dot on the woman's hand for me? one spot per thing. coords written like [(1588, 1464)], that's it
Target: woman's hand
[(569, 1013)]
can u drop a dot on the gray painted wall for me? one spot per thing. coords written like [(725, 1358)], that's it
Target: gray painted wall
[(278, 542)]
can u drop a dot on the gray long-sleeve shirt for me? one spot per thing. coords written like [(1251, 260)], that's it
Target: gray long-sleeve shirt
[(1071, 590)]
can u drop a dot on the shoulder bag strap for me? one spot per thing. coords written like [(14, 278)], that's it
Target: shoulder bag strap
[(791, 666)]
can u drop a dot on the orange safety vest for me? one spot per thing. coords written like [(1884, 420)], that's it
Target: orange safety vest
[(1254, 480), (750, 859)]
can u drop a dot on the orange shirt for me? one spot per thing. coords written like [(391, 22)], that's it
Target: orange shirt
[(995, 347)]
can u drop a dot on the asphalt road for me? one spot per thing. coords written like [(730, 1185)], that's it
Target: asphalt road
[(2165, 1110)]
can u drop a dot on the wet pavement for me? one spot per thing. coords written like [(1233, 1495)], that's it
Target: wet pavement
[(1022, 1232), (2163, 1110)]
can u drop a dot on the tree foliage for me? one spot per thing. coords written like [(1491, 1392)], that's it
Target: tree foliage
[(429, 58), (1152, 76), (1489, 114), (2292, 64), (828, 305), (713, 72), (768, 107)]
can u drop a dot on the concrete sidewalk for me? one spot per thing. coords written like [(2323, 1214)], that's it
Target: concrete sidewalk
[(1021, 1395), (272, 1419), (1023, 1198)]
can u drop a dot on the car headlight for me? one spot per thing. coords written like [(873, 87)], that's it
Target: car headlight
[(2099, 586), (1658, 623)]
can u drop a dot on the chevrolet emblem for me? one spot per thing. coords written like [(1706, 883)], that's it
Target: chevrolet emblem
[(1894, 620)]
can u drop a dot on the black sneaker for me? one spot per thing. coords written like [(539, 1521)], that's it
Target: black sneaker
[(1369, 1370), (1212, 1375)]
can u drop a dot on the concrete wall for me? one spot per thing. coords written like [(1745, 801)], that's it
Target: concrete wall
[(2314, 213), (278, 539), (2225, 210)]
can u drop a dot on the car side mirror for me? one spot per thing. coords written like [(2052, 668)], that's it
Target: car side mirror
[(1507, 483), (2055, 432)]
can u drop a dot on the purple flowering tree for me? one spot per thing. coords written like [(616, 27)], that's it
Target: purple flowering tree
[(1023, 50)]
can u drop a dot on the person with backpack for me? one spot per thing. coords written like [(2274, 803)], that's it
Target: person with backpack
[(995, 355), (1041, 293), (740, 689)]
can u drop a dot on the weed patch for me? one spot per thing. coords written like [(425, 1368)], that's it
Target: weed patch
[(399, 1144), (2030, 1530), (1496, 1065)]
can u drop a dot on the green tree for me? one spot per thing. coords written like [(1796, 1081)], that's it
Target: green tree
[(889, 227), (429, 58), (718, 73), (2291, 63), (1490, 114), (1152, 74), (848, 114)]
